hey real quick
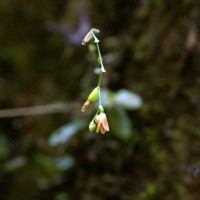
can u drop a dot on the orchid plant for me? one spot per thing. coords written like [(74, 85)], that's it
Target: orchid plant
[(99, 121)]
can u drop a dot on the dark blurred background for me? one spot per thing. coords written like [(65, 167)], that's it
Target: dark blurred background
[(151, 93)]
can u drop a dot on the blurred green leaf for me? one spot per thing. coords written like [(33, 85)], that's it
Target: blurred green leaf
[(46, 164), (127, 100), (65, 133), (107, 97), (122, 98), (151, 190), (65, 162), (120, 123)]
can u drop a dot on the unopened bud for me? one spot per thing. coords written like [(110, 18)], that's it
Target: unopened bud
[(87, 38), (90, 36), (94, 95), (92, 126)]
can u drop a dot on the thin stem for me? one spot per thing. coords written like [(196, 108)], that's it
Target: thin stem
[(101, 65), (100, 58), (99, 52), (96, 114), (100, 79), (99, 96), (99, 86)]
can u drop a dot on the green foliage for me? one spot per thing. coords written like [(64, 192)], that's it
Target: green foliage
[(120, 123)]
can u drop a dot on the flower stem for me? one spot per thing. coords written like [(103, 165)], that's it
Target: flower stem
[(99, 96), (101, 65), (100, 58), (95, 115), (96, 41), (99, 86)]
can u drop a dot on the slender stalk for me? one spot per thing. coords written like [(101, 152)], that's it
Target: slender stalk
[(99, 52), (101, 65), (95, 115), (99, 86), (100, 58)]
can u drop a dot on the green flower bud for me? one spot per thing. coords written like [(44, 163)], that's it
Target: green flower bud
[(94, 95), (92, 126)]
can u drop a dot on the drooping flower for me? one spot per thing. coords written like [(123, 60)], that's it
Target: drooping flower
[(102, 123)]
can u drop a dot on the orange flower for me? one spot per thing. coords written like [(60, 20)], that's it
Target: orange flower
[(102, 123)]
